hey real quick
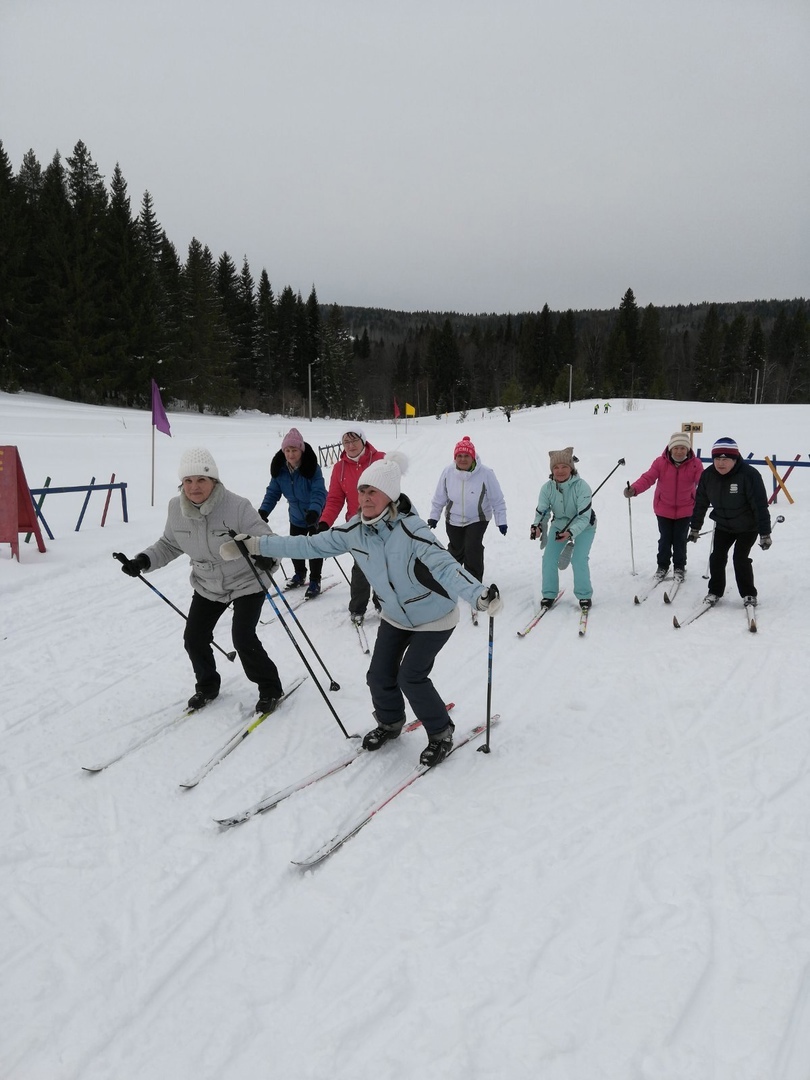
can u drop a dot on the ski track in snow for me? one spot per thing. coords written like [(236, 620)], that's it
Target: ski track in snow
[(618, 891)]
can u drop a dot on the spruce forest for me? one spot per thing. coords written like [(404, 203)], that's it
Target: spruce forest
[(95, 301)]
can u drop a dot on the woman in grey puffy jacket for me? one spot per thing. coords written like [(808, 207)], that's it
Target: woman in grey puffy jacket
[(199, 520)]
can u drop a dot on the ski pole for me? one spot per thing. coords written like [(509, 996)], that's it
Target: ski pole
[(707, 575), (566, 553), (122, 559), (492, 592), (621, 461), (342, 571), (246, 555), (332, 684), (630, 515)]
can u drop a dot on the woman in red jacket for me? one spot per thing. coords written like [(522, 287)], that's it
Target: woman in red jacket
[(675, 474), (356, 457)]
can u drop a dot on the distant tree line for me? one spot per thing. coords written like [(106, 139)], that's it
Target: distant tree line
[(95, 302)]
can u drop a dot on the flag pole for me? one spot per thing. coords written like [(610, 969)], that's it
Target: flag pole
[(153, 464)]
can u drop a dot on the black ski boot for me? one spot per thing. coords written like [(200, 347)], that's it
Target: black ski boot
[(381, 734), (438, 747), (201, 698)]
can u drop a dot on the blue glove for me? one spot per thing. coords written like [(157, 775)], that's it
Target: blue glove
[(503, 529)]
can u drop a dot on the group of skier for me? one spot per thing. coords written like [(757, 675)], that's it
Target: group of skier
[(413, 580)]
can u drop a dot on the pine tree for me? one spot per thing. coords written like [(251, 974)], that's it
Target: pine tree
[(13, 241), (623, 347), (708, 356), (265, 379), (206, 345)]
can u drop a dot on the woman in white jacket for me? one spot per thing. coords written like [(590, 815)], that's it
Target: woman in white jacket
[(472, 495)]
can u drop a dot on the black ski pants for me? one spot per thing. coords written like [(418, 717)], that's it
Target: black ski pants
[(203, 616), (742, 542), (672, 534), (300, 565), (400, 668), (466, 544)]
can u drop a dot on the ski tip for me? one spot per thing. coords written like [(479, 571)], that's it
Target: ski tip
[(675, 622), (636, 600), (667, 599)]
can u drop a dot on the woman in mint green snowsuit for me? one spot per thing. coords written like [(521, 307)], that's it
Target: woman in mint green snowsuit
[(565, 500)]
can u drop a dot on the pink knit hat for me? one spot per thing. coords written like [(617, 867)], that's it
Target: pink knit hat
[(464, 447), (293, 438)]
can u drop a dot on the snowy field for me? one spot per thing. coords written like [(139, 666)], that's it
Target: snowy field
[(619, 891)]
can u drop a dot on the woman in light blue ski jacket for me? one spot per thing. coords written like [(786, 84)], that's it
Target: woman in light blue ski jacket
[(565, 500), (418, 584)]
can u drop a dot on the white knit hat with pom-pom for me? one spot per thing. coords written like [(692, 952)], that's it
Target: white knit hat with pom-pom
[(386, 475)]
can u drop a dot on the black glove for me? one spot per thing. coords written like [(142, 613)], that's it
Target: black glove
[(629, 492), (502, 529), (311, 517), (692, 538), (264, 515), (133, 567), (765, 541), (533, 532), (322, 526), (267, 563), (432, 523)]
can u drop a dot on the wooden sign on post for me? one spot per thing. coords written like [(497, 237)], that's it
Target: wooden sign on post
[(17, 513), (690, 428)]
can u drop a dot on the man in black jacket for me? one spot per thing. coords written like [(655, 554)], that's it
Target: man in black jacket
[(736, 492)]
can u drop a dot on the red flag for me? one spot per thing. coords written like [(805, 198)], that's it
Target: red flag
[(159, 418), (396, 410)]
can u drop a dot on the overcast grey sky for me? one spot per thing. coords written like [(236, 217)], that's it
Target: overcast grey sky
[(442, 154)]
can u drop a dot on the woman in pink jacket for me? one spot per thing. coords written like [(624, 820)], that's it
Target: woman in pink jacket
[(675, 475), (356, 457)]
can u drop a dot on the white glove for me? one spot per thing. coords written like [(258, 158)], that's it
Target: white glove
[(493, 606), (230, 551)]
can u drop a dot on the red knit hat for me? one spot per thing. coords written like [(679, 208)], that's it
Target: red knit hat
[(464, 447)]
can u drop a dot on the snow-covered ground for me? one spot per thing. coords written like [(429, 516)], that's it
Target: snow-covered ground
[(620, 890)]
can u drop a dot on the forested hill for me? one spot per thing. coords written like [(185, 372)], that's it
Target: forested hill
[(95, 301), (746, 351)]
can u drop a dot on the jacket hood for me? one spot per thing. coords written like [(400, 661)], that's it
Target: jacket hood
[(307, 466)]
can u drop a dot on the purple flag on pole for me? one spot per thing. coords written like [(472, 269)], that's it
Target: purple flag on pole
[(159, 418)]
